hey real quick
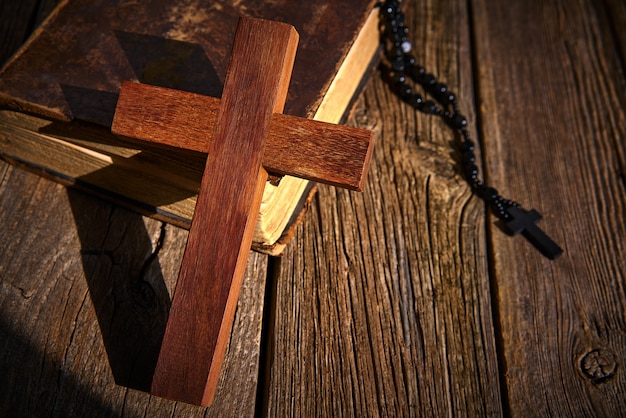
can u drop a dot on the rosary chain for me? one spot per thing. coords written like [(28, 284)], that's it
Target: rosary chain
[(400, 67)]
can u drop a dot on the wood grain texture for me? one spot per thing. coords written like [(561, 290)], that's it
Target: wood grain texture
[(84, 292), (552, 104), (221, 231), (327, 153), (383, 301)]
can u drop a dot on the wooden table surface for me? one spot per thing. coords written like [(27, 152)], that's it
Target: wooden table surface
[(404, 300)]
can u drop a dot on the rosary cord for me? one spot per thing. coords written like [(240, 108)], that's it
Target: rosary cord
[(400, 67)]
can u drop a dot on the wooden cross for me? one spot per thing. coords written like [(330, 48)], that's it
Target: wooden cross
[(244, 134)]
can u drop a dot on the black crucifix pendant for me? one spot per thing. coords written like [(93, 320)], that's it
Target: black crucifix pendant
[(525, 222)]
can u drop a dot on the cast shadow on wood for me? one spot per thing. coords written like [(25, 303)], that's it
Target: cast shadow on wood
[(19, 395), (120, 260), (126, 286)]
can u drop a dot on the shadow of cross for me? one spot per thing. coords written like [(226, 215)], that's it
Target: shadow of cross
[(249, 135)]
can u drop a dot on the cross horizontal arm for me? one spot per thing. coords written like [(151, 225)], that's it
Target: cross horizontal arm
[(300, 147)]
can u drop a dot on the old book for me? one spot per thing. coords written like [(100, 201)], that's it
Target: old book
[(58, 94)]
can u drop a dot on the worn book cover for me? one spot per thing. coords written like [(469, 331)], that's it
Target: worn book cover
[(58, 93)]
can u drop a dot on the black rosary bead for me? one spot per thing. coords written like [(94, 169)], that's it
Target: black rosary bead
[(402, 32), (439, 89), (398, 65), (390, 8), (449, 98), (499, 211), (488, 193), (469, 157), (416, 101), (471, 170), (409, 61), (427, 107), (426, 80), (397, 20), (417, 71), (397, 49), (456, 121), (467, 146), (406, 93), (398, 78), (398, 86)]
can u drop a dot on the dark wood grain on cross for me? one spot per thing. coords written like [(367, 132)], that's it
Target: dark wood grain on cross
[(243, 134)]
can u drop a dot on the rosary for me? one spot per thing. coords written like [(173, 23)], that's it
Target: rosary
[(400, 66)]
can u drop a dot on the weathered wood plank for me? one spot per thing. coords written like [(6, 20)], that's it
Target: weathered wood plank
[(552, 104), (84, 294), (383, 302), (367, 292)]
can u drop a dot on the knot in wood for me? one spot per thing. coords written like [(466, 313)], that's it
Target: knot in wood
[(598, 365)]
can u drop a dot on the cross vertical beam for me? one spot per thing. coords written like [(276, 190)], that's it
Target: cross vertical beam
[(228, 203)]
